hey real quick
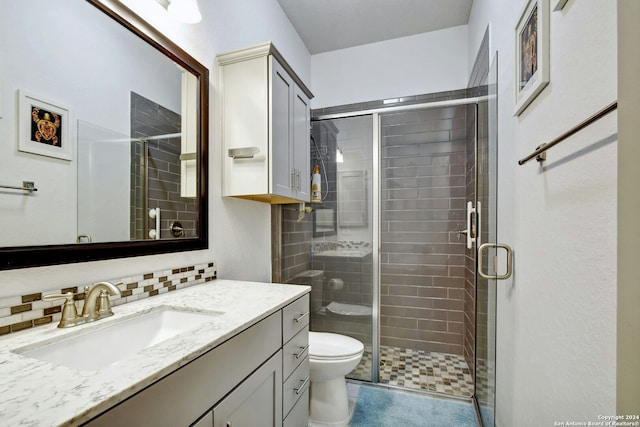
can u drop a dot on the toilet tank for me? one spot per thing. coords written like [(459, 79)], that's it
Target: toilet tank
[(315, 279)]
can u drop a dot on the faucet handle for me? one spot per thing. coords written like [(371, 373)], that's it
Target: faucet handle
[(104, 305), (53, 297), (69, 311)]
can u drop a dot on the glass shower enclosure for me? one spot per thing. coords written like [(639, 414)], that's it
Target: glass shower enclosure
[(385, 251)]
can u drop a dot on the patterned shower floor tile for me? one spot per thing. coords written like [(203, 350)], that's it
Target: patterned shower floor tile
[(419, 370)]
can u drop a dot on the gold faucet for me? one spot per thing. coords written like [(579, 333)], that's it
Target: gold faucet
[(96, 301), (96, 304)]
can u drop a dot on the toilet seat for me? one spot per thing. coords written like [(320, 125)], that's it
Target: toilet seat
[(329, 346)]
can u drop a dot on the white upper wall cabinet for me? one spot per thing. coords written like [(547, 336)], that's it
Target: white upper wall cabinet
[(265, 127)]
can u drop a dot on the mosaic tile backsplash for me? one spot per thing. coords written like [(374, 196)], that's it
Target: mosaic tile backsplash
[(28, 311), (321, 246)]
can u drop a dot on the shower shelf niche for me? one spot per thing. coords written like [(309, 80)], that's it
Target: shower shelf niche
[(347, 253)]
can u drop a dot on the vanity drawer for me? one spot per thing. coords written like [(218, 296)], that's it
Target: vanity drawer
[(295, 317), (296, 386), (299, 415), (295, 351)]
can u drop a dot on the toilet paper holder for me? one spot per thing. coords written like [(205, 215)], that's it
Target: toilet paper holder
[(336, 284)]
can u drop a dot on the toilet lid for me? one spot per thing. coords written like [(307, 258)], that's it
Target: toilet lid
[(334, 346)]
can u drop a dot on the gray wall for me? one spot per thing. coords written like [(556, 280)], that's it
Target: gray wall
[(295, 243)]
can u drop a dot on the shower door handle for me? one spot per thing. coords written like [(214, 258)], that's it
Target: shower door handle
[(471, 238), (496, 276)]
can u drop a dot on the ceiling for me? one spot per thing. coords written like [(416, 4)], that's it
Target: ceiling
[(326, 25)]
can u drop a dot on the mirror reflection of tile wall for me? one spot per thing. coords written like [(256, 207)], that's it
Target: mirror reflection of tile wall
[(157, 184)]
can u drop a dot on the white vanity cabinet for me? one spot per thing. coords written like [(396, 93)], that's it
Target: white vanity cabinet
[(265, 127), (238, 383)]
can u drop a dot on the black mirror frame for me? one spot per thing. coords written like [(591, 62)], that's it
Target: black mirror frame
[(35, 256)]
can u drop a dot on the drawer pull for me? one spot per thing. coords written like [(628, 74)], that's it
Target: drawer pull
[(228, 423), (301, 352), (304, 385), (302, 316)]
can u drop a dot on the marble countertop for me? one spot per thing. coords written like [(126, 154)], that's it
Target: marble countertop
[(37, 393)]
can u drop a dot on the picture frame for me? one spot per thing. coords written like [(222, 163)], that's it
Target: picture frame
[(43, 127), (532, 53), (559, 5)]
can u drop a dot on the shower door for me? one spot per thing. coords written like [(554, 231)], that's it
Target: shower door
[(426, 315), (103, 184), (487, 203)]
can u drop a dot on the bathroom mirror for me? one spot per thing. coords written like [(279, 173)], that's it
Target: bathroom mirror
[(324, 222), (107, 118), (352, 198)]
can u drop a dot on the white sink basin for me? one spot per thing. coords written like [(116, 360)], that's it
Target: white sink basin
[(110, 341)]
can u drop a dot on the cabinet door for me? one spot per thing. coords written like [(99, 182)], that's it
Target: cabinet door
[(282, 172), (301, 125), (257, 402), (245, 124), (185, 395)]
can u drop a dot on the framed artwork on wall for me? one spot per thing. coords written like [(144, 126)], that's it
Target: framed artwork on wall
[(559, 5), (43, 127), (532, 53)]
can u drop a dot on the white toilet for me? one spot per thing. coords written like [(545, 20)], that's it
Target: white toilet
[(331, 357)]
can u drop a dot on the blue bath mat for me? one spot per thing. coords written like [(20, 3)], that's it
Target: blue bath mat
[(378, 407)]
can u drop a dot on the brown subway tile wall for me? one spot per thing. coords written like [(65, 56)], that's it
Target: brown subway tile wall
[(296, 243), (356, 274), (161, 188), (423, 200), (15, 316)]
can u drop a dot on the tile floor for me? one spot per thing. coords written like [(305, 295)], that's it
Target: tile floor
[(419, 370)]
